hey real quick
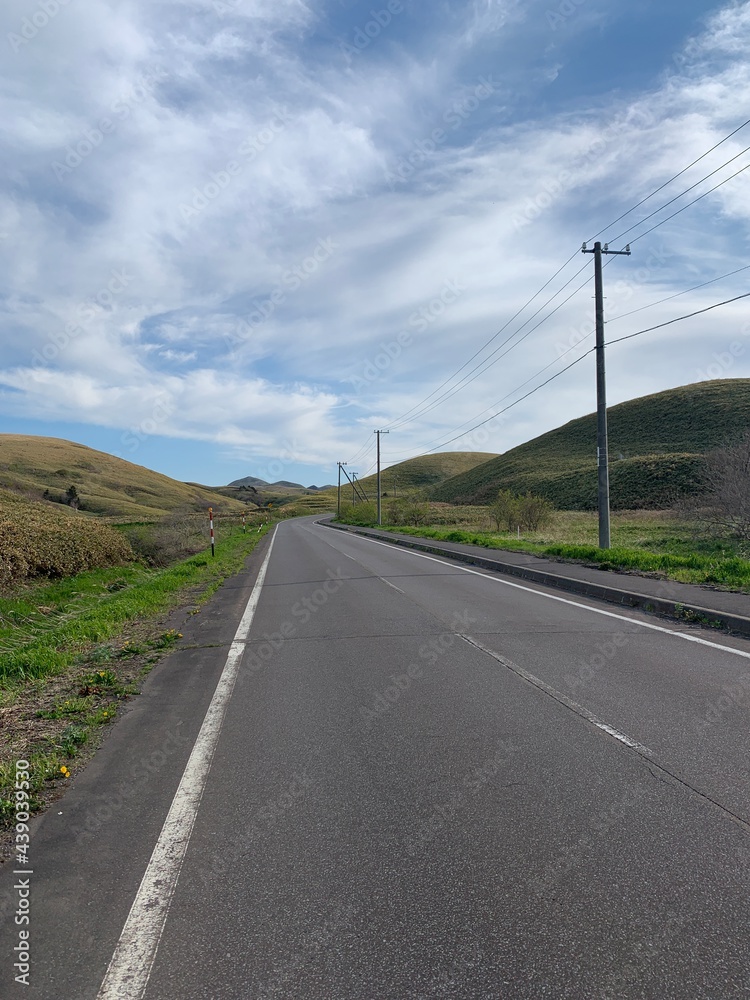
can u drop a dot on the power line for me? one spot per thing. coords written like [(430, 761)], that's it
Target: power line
[(676, 295), (667, 183), (486, 364), (680, 195), (399, 420), (690, 203), (669, 322), (619, 340)]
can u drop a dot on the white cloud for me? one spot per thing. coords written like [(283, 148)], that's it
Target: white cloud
[(496, 205)]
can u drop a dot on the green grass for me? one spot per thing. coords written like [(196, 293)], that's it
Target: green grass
[(74, 629), (46, 627), (656, 444), (642, 541)]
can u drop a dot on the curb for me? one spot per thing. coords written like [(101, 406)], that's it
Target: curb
[(692, 614)]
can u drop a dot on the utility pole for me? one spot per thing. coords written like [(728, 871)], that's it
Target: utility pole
[(380, 521), (338, 502), (354, 488), (602, 449)]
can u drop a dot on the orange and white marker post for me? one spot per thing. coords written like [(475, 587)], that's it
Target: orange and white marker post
[(211, 525)]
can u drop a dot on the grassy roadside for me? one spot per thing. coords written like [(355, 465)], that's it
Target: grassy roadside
[(71, 651), (651, 543)]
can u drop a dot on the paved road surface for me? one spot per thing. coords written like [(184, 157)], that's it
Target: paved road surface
[(428, 782)]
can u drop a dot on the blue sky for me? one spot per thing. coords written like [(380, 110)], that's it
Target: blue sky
[(238, 235)]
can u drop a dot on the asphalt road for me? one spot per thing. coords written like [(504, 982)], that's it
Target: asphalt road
[(414, 780)]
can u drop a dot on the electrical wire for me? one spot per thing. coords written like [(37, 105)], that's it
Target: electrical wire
[(667, 183), (676, 295), (669, 322), (619, 340), (689, 204), (486, 364), (400, 420)]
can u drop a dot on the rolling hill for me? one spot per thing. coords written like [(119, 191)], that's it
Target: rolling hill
[(107, 486), (656, 447), (415, 474)]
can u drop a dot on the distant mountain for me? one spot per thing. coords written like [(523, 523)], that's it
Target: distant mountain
[(259, 484), (249, 481)]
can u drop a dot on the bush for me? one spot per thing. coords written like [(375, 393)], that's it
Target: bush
[(511, 511), (37, 541), (362, 514), (505, 511)]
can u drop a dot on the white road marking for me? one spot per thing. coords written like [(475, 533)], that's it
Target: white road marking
[(560, 697), (392, 585), (488, 575), (133, 959)]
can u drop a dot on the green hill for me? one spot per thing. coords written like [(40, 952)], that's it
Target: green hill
[(656, 448), (107, 486), (415, 474)]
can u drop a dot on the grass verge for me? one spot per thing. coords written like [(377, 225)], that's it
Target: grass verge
[(73, 650), (646, 543)]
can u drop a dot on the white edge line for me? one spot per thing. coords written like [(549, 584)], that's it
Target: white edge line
[(489, 575), (133, 959)]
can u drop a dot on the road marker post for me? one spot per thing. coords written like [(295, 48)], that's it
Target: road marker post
[(211, 526)]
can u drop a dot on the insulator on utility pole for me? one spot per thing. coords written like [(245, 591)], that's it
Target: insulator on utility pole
[(602, 449)]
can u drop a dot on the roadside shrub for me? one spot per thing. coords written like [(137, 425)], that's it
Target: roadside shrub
[(505, 511), (176, 537), (362, 514), (37, 540), (511, 511)]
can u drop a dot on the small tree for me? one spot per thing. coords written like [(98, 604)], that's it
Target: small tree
[(415, 513), (511, 511), (725, 502), (534, 512), (504, 511), (71, 497)]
